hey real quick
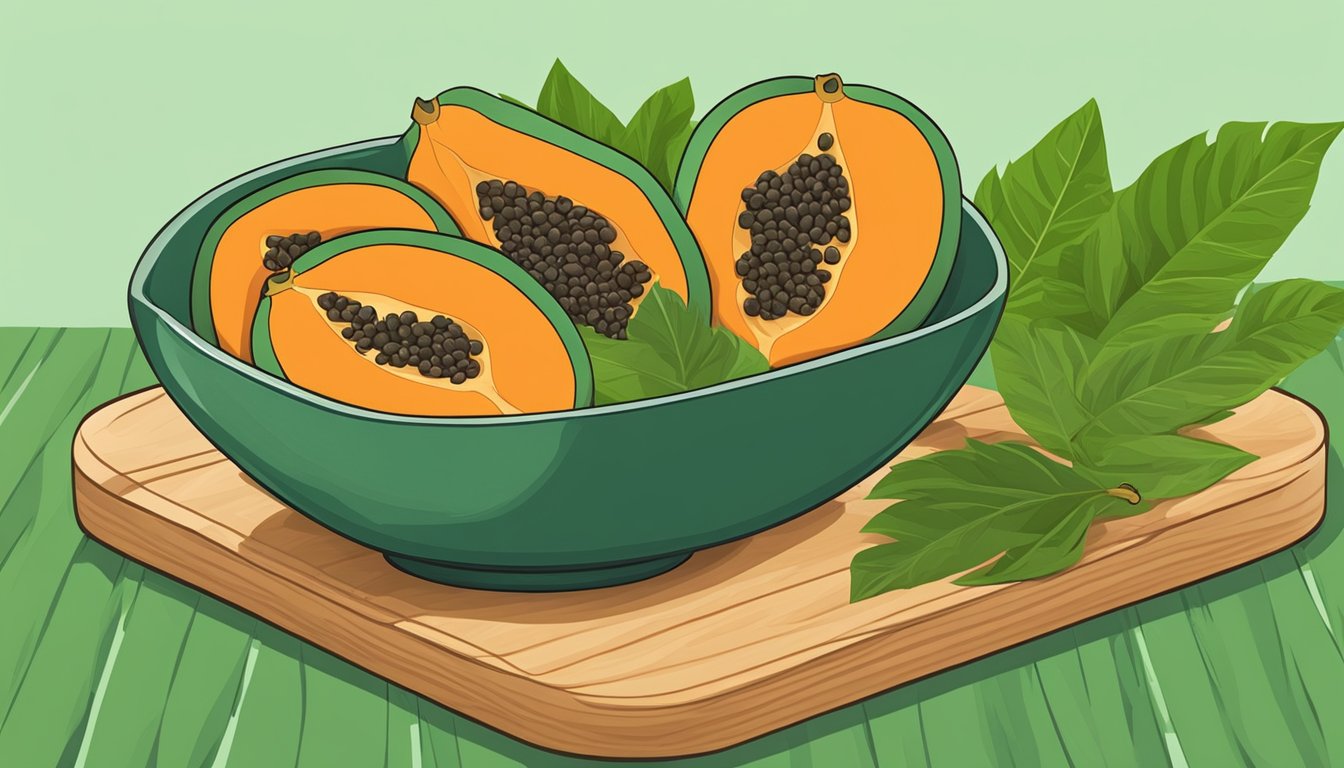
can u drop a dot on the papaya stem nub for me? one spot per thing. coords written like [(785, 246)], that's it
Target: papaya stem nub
[(829, 88), (425, 111), (1127, 492), (280, 281)]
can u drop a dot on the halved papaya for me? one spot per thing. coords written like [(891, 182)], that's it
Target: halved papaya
[(586, 222), (420, 324), (828, 213), (264, 232)]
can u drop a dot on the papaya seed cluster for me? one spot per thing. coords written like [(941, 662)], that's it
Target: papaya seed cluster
[(438, 348), (568, 249), (282, 251), (792, 218)]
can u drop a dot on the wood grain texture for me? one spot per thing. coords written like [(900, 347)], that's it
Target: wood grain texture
[(743, 639)]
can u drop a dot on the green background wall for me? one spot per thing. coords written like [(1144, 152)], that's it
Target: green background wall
[(116, 115)]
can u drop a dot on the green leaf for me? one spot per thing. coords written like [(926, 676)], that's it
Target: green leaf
[(670, 349), (565, 100), (1036, 365), (676, 148), (1057, 549), (1107, 347), (1161, 384), (656, 127), (1050, 196), (655, 137), (1212, 418), (624, 371), (964, 507), (1160, 466), (1200, 223)]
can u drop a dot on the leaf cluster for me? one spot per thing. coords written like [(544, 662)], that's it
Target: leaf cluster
[(657, 132), (1131, 322)]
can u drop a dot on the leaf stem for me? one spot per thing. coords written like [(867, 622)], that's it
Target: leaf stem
[(1127, 492)]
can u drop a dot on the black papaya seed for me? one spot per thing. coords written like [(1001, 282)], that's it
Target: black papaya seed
[(566, 248)]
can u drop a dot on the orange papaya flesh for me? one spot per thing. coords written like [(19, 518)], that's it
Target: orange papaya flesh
[(401, 328), (267, 231), (588, 233), (825, 220)]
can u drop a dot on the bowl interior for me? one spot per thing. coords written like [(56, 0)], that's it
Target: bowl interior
[(168, 262)]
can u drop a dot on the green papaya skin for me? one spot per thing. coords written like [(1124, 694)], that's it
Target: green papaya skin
[(935, 281), (264, 356), (534, 125), (334, 180)]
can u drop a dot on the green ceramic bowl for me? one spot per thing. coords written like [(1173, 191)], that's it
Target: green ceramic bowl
[(567, 500)]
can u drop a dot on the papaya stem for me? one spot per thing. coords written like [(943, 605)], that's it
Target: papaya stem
[(1127, 492), (829, 88), (425, 111)]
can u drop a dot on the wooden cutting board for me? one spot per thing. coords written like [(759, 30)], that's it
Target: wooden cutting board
[(743, 639)]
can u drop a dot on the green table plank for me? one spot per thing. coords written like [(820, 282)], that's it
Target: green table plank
[(269, 708), (345, 713), (124, 728), (53, 693), (40, 558), (438, 736), (1310, 659), (1245, 668), (896, 730), (23, 503), (205, 686), (839, 738), (1230, 627), (405, 743), (1098, 698), (1192, 696), (14, 345), (1321, 557), (50, 384)]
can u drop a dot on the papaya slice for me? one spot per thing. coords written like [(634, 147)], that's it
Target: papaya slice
[(587, 222), (420, 324), (828, 214), (266, 231)]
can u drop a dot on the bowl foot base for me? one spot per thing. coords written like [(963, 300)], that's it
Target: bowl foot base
[(536, 580)]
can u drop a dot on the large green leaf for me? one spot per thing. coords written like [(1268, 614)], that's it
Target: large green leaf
[(565, 100), (677, 148), (1160, 466), (657, 132), (656, 129), (1058, 547), (1199, 224), (669, 349), (961, 508), (1049, 196), (1036, 366), (1160, 384), (1042, 202)]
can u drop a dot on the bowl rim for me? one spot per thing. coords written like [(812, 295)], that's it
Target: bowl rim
[(156, 245)]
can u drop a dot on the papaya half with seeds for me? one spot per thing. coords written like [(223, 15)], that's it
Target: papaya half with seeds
[(587, 222), (265, 232), (828, 214), (420, 324)]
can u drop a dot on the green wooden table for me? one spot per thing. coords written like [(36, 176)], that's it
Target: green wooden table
[(105, 663)]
